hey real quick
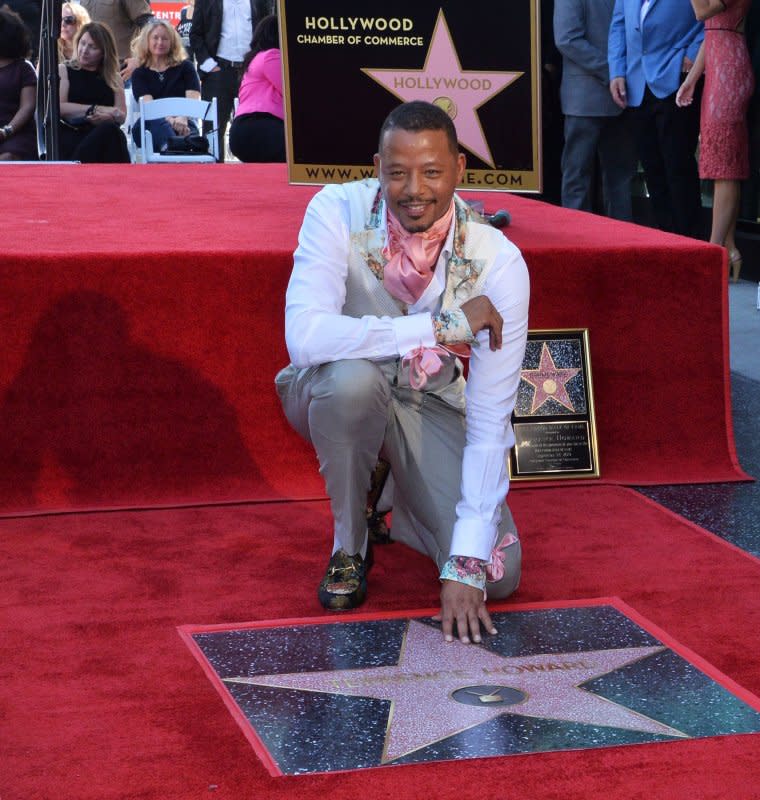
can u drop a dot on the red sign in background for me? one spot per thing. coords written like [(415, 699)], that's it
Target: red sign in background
[(167, 10)]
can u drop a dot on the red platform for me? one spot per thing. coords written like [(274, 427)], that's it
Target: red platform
[(142, 312)]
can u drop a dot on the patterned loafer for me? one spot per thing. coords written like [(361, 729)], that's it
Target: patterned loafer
[(345, 583)]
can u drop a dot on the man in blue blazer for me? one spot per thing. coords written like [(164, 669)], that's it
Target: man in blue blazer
[(594, 124), (651, 44)]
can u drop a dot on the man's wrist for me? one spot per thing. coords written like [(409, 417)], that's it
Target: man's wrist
[(465, 569)]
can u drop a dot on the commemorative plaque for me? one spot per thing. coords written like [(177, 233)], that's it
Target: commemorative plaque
[(347, 65), (553, 420)]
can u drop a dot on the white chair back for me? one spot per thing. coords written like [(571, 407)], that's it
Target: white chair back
[(202, 110)]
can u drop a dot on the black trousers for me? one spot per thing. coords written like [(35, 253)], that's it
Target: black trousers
[(222, 84), (258, 137), (666, 136), (94, 144)]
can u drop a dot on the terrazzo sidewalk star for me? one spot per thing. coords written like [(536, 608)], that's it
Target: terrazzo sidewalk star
[(329, 696)]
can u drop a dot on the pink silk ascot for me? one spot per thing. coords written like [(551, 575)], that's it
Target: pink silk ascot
[(412, 256), (408, 272)]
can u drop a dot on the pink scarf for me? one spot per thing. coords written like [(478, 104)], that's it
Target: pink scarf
[(412, 256)]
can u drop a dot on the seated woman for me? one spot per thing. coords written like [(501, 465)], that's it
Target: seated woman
[(258, 130), (73, 17), (18, 88), (164, 71), (93, 105)]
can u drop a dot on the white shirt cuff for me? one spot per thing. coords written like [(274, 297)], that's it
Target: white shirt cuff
[(207, 65), (413, 331), (473, 538)]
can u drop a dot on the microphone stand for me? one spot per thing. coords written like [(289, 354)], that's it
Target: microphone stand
[(48, 98)]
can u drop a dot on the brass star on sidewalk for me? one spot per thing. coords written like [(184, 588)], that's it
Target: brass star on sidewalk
[(443, 81), (549, 381), (439, 689)]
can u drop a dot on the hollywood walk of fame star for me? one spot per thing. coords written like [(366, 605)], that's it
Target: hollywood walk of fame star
[(430, 672), (549, 381), (443, 81)]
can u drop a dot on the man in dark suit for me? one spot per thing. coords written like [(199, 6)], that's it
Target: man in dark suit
[(652, 43), (220, 37), (594, 124)]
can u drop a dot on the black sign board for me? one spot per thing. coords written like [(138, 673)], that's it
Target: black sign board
[(348, 64)]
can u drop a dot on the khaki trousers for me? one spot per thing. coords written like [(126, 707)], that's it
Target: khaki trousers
[(352, 411)]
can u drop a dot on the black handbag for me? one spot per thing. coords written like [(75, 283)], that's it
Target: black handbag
[(192, 144)]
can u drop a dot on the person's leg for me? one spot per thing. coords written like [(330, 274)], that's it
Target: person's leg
[(617, 156), (678, 133), (104, 144), (648, 146), (222, 85), (578, 158), (725, 213), (424, 445), (243, 139), (342, 409)]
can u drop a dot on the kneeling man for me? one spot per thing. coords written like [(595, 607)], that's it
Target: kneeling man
[(395, 280)]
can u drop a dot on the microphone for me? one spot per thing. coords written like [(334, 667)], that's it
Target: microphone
[(499, 219)]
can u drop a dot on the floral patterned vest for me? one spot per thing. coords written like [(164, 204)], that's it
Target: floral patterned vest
[(475, 246)]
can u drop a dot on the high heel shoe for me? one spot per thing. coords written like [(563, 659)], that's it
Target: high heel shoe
[(735, 262)]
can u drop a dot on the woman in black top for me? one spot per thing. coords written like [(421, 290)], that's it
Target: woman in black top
[(164, 71), (93, 105)]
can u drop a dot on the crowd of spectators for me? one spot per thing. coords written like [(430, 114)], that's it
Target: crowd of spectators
[(110, 55)]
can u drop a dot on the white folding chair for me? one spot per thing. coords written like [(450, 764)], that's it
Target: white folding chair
[(202, 110), (129, 122)]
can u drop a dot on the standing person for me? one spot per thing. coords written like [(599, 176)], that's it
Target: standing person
[(183, 27), (93, 106), (595, 127), (391, 279), (258, 130), (124, 18), (652, 43), (220, 36), (73, 16), (724, 140), (18, 87), (164, 71)]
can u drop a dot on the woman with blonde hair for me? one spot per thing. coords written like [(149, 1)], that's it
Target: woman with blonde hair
[(73, 17), (93, 105), (164, 71)]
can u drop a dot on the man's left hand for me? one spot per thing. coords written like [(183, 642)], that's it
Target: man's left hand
[(463, 605)]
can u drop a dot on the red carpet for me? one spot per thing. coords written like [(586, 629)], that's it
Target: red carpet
[(141, 333), (101, 700)]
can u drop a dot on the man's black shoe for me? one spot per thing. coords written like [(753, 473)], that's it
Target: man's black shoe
[(345, 583)]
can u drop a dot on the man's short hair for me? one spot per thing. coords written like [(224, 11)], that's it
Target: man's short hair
[(417, 116)]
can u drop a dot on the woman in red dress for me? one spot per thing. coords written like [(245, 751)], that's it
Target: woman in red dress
[(723, 143)]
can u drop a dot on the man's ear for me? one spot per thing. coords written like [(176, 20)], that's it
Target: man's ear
[(376, 161), (461, 163)]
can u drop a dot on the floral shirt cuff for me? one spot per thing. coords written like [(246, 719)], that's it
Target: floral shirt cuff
[(465, 569), (452, 327)]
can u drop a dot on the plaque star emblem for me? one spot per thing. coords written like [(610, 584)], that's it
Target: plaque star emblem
[(549, 381), (457, 91), (439, 689)]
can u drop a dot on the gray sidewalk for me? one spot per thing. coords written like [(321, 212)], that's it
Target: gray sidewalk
[(732, 510), (744, 324)]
